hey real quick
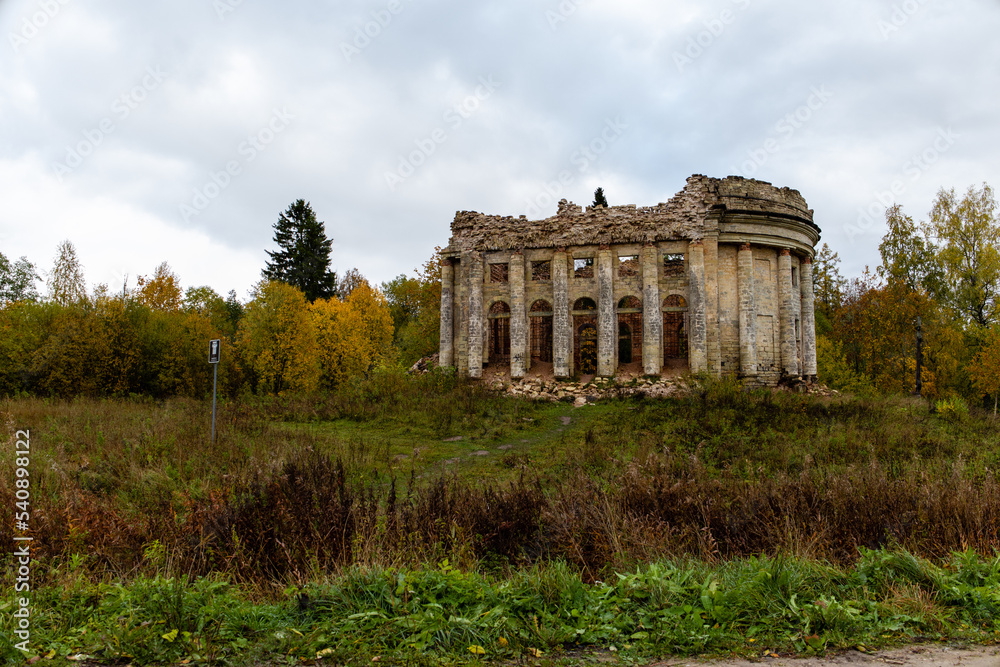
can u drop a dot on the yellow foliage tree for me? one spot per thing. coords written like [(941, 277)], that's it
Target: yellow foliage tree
[(277, 339), (162, 291), (343, 349), (354, 335), (985, 367), (372, 308)]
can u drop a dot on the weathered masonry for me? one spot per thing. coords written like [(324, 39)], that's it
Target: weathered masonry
[(718, 279)]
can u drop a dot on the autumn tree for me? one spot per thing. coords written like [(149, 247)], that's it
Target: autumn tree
[(277, 339), (415, 307), (376, 321), (69, 357), (351, 279), (24, 327), (343, 350), (65, 282), (205, 302), (123, 345), (908, 255), (828, 286), (354, 335), (162, 291), (17, 280), (967, 230), (303, 258), (984, 370)]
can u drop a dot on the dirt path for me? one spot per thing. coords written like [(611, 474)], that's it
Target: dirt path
[(914, 656)]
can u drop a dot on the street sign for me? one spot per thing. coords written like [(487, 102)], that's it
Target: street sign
[(214, 352)]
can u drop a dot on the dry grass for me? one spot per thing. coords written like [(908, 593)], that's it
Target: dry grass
[(131, 487)]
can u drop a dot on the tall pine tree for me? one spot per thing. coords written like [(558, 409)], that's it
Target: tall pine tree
[(599, 199), (304, 256)]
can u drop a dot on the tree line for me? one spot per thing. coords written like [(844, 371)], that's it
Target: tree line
[(944, 270), (302, 329)]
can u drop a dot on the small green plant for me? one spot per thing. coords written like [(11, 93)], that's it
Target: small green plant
[(953, 409)]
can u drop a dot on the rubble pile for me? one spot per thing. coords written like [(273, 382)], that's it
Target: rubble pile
[(583, 393)]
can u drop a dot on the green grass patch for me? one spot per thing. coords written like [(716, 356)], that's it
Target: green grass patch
[(434, 614)]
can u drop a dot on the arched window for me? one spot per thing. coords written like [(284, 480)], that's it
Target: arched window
[(541, 306), (674, 301), (499, 308), (629, 303), (584, 303)]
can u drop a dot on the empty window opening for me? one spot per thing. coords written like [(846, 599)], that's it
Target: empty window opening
[(673, 265), (583, 267), (499, 332), (498, 273), (541, 331), (628, 265), (586, 346), (624, 343), (675, 342), (541, 270)]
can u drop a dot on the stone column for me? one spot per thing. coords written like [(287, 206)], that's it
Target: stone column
[(652, 318), (746, 296), (446, 353), (697, 339), (518, 317), (808, 319), (461, 306), (560, 314), (607, 332), (786, 316), (477, 323), (711, 243)]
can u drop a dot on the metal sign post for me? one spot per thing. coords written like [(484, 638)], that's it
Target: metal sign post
[(214, 353)]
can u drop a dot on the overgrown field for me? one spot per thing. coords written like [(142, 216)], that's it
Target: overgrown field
[(425, 516)]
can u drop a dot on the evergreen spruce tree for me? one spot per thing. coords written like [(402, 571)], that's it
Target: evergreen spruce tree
[(599, 199), (304, 256)]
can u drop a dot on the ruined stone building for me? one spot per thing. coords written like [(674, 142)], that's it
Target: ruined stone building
[(717, 279)]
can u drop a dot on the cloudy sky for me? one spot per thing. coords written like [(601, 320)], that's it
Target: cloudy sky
[(150, 132)]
